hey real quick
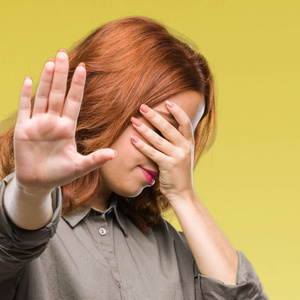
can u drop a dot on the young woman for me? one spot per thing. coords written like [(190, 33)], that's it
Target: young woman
[(107, 144)]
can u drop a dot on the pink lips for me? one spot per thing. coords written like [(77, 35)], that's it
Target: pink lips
[(149, 175)]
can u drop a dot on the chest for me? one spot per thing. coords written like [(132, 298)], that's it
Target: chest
[(97, 261)]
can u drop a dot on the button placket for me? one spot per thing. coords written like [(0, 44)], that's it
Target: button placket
[(104, 239)]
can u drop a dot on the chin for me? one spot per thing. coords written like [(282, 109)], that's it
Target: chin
[(129, 193)]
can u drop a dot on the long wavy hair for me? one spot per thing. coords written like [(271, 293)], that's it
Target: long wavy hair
[(129, 61)]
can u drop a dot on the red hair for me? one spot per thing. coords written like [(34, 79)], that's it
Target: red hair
[(129, 62)]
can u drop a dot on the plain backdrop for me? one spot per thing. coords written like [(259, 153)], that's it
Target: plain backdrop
[(249, 180)]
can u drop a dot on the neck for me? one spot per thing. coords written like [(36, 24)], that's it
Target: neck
[(101, 202)]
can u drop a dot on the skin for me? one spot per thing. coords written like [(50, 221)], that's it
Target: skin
[(46, 157), (123, 175)]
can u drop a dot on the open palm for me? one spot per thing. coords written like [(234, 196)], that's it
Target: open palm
[(45, 147)]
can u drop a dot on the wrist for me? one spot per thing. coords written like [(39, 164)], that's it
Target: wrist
[(27, 211), (29, 192), (188, 196)]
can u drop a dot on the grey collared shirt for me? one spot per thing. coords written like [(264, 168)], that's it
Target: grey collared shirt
[(92, 254)]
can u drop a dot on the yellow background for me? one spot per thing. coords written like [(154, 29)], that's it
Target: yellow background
[(249, 180)]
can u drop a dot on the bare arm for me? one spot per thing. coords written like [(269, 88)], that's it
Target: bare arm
[(214, 255)]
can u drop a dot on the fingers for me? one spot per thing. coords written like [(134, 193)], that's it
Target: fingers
[(158, 157), (95, 160), (59, 83), (154, 138), (42, 94), (52, 87), (167, 130), (25, 98), (185, 125), (73, 101), (175, 136)]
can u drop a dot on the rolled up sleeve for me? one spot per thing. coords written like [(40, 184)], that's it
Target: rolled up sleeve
[(248, 285), (19, 246)]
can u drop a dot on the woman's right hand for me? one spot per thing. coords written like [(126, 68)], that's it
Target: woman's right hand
[(45, 149)]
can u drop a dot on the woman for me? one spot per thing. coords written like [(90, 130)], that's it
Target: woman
[(110, 140)]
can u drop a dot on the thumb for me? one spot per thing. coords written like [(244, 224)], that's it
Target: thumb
[(95, 160)]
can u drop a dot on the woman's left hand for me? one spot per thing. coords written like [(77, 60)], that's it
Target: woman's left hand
[(173, 153)]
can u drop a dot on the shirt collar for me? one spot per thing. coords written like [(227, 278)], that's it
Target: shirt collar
[(78, 215)]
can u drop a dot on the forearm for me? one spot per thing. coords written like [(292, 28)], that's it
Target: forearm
[(27, 210), (213, 253)]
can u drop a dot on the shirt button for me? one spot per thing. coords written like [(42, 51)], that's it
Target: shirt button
[(102, 231)]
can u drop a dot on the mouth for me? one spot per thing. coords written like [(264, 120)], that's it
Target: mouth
[(149, 175)]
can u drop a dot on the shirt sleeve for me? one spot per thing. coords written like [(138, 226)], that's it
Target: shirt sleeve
[(248, 285), (19, 246)]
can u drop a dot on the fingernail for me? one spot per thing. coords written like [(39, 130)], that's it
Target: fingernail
[(144, 108), (170, 104), (134, 138), (62, 50), (27, 77), (51, 59), (113, 154), (82, 64), (136, 122)]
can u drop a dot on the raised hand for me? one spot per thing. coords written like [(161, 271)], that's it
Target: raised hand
[(45, 148), (174, 151)]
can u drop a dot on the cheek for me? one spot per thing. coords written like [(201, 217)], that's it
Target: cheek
[(125, 148)]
